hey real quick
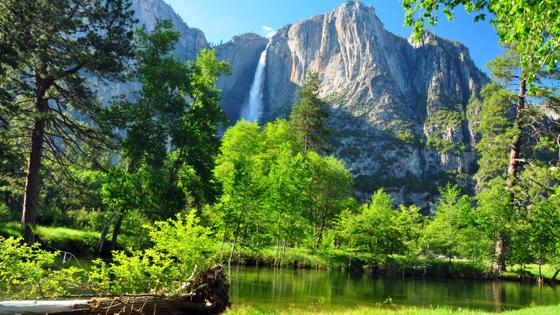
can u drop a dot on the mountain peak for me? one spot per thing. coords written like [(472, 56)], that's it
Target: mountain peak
[(353, 6)]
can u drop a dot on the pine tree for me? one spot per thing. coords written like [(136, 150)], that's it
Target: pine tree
[(309, 115), (53, 44)]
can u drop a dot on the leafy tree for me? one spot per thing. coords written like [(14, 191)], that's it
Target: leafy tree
[(238, 172), (29, 271), (371, 230), (198, 143), (309, 115), (544, 237), (452, 232), (531, 134), (329, 191), (408, 224), (181, 247), (171, 129), (285, 198), (55, 44)]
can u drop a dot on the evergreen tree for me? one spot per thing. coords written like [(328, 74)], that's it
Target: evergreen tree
[(309, 115), (56, 43)]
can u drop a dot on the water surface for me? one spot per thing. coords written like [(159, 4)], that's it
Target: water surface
[(268, 288)]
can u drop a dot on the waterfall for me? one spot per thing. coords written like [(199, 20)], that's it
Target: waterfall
[(253, 107)]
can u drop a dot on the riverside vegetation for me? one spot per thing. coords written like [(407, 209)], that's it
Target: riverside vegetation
[(147, 190)]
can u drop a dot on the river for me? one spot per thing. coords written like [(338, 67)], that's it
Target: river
[(268, 288)]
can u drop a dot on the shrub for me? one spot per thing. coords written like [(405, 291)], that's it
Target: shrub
[(29, 271), (181, 247)]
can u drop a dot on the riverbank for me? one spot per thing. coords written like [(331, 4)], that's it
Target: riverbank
[(392, 265), (364, 310), (84, 244)]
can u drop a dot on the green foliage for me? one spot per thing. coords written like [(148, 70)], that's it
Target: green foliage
[(442, 145), (273, 192), (496, 132), (381, 230), (408, 137), (28, 271), (445, 118), (445, 122), (181, 247), (329, 192), (309, 115), (454, 231)]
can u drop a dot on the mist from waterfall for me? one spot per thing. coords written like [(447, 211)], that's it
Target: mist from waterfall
[(253, 107)]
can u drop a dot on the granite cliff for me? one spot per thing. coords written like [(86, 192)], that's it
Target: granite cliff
[(398, 108)]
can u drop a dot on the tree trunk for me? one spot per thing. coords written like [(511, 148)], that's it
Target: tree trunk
[(210, 295), (320, 234), (222, 247), (104, 233), (515, 151), (31, 194), (553, 279), (540, 279), (513, 169), (277, 249), (116, 232), (500, 264), (234, 243)]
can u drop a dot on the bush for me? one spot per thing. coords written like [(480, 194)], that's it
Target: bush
[(180, 248), (29, 271)]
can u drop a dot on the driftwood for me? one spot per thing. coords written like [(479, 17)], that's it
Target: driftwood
[(209, 296)]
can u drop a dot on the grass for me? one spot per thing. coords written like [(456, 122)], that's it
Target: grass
[(77, 242), (363, 310), (530, 271)]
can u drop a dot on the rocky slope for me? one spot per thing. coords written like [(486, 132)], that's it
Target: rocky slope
[(148, 12), (398, 108)]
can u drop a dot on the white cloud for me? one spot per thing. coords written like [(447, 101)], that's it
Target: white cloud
[(268, 31)]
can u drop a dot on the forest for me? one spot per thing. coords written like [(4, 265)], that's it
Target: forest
[(136, 193)]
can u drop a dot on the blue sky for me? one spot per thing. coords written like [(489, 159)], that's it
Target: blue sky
[(222, 19)]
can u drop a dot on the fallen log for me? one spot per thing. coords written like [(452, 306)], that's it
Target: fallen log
[(209, 295)]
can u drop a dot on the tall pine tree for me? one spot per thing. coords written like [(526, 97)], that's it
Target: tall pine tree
[(56, 43), (309, 115)]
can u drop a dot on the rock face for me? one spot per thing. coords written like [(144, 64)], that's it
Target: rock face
[(398, 108), (148, 12), (243, 53)]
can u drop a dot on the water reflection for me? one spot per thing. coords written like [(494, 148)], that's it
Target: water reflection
[(278, 288)]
